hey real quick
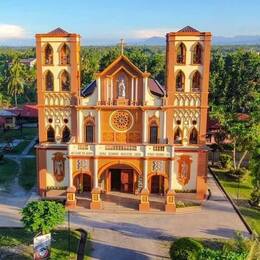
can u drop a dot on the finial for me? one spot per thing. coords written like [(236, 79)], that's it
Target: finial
[(145, 68), (122, 46)]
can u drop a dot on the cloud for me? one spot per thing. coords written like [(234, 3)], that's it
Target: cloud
[(148, 33), (11, 31)]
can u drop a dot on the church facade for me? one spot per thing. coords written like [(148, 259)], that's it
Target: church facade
[(124, 131)]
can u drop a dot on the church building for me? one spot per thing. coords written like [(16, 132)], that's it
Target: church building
[(123, 132)]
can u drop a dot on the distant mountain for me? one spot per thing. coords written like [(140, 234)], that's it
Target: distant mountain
[(217, 40)]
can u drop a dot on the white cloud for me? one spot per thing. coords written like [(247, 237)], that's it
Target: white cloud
[(11, 31), (147, 33)]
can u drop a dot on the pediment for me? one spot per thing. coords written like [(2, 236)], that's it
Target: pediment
[(123, 63)]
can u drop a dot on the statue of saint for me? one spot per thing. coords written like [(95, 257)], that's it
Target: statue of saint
[(184, 169), (121, 87)]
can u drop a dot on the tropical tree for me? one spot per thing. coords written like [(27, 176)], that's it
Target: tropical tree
[(16, 79), (42, 216)]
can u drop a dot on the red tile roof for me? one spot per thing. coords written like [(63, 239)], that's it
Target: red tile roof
[(188, 29)]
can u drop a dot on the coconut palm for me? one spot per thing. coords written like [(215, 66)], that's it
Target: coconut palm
[(16, 79)]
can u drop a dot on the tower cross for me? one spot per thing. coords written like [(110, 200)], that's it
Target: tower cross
[(122, 44)]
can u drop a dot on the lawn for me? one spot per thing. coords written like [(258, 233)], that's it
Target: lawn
[(240, 193), (25, 134), (22, 240), (8, 171), (27, 178)]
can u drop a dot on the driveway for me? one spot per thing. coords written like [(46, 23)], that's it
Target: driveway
[(147, 236)]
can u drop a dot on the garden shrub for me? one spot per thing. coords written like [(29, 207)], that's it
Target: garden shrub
[(226, 161), (185, 249), (210, 254)]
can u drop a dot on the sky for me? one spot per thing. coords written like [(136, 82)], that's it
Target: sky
[(106, 21)]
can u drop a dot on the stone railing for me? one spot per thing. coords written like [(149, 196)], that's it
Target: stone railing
[(121, 150)]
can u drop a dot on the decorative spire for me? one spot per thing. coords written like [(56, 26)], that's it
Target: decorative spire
[(122, 44), (145, 68)]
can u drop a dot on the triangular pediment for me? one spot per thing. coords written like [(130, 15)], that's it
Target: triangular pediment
[(122, 62)]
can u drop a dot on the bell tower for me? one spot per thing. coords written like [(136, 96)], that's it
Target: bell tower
[(58, 85), (187, 70)]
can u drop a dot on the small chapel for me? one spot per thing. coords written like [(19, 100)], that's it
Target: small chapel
[(124, 132)]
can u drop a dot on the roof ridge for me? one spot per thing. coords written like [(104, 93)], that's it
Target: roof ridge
[(58, 30)]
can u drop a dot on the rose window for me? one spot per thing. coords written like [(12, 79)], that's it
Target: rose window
[(121, 120)]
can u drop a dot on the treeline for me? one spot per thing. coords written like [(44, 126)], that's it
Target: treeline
[(19, 80)]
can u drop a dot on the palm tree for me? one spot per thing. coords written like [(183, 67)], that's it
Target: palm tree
[(16, 79)]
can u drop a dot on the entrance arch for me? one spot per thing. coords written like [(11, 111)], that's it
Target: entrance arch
[(82, 181), (121, 177), (158, 183)]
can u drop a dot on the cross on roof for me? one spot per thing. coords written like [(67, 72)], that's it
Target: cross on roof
[(122, 44)]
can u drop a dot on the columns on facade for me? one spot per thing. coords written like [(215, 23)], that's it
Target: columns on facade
[(95, 193), (170, 196), (145, 84), (99, 90), (132, 91), (164, 127), (98, 126), (144, 200), (144, 126), (136, 90), (71, 190), (111, 89)]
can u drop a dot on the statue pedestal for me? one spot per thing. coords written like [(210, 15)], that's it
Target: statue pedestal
[(144, 201), (122, 102), (71, 198), (170, 201), (96, 202)]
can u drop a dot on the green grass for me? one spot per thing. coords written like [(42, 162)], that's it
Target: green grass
[(59, 246), (26, 134), (27, 178), (8, 171), (240, 196), (19, 148)]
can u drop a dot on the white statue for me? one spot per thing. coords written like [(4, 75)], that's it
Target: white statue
[(121, 88), (59, 167)]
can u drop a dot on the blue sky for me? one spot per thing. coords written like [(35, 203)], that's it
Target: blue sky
[(103, 21)]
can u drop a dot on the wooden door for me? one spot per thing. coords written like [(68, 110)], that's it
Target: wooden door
[(127, 181)]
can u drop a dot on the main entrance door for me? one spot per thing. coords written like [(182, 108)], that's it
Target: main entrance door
[(122, 180), (157, 184)]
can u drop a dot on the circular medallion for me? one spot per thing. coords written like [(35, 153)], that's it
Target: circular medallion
[(121, 121)]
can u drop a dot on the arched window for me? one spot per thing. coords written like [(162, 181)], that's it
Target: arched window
[(49, 86), (65, 55), (48, 55), (197, 54), (196, 81), (65, 134), (50, 134), (178, 136), (180, 81), (181, 54), (65, 81), (193, 136), (153, 134), (89, 133)]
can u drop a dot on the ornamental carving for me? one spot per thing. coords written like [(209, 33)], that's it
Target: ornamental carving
[(183, 175), (58, 166), (121, 121), (157, 166)]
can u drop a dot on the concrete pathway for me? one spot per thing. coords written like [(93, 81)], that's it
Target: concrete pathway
[(147, 236), (29, 146), (142, 236)]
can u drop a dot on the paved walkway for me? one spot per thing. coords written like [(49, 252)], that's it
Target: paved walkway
[(142, 236), (29, 146), (147, 236)]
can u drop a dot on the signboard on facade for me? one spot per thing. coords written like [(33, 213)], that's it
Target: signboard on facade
[(42, 247)]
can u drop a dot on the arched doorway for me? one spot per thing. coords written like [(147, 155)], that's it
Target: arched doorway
[(119, 178), (82, 182), (157, 184)]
